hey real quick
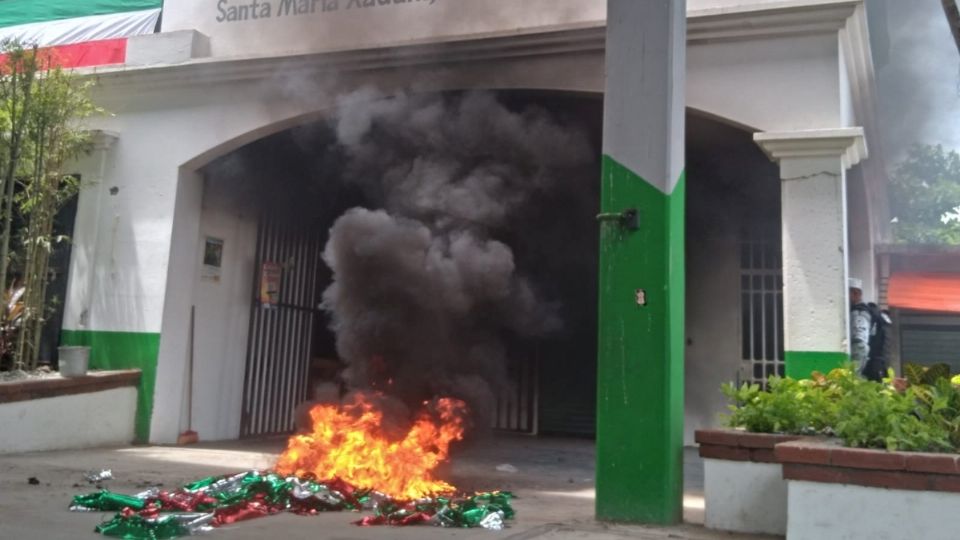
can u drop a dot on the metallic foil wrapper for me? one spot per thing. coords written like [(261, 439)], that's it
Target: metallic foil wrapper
[(214, 501), (374, 500), (106, 501), (151, 493), (304, 490), (135, 527), (194, 523), (493, 522), (330, 498), (230, 484), (300, 489), (95, 477)]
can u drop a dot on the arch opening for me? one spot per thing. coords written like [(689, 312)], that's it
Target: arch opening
[(275, 199), (486, 180)]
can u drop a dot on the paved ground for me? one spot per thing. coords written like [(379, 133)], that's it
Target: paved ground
[(553, 482)]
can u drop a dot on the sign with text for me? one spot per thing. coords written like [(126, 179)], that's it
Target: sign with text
[(271, 274), (212, 259), (245, 10), (239, 28)]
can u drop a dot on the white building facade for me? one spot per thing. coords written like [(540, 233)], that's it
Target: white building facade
[(787, 85)]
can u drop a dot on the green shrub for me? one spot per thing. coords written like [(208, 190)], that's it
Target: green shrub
[(923, 416), (788, 406), (874, 415), (920, 375)]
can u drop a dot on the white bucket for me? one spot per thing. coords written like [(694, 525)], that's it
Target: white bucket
[(74, 361)]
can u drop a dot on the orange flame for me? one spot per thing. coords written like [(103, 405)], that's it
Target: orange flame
[(348, 442)]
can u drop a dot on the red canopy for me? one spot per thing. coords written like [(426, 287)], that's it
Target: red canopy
[(925, 292)]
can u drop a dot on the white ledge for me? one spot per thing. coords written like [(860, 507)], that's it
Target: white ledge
[(761, 21), (849, 144), (800, 17)]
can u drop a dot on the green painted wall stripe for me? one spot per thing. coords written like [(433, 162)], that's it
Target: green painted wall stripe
[(676, 339), (124, 350), (800, 364), (640, 357), (16, 12)]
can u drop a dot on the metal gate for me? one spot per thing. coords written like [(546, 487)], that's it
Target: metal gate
[(517, 404), (281, 335), (928, 339), (761, 304)]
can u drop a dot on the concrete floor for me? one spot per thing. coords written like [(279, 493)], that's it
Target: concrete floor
[(553, 483)]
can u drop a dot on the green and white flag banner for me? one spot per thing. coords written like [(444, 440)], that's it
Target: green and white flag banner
[(20, 12), (83, 29)]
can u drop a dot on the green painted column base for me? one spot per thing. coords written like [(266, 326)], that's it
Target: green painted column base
[(124, 350), (801, 364), (640, 360)]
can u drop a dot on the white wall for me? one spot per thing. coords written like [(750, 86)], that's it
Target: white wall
[(222, 314), (712, 327), (118, 262), (731, 186), (862, 260), (69, 422), (815, 254), (780, 84), (86, 263), (745, 497), (820, 511), (169, 418)]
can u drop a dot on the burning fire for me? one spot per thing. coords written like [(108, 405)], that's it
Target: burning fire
[(348, 443)]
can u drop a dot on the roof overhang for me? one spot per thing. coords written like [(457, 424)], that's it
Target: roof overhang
[(761, 21), (933, 292)]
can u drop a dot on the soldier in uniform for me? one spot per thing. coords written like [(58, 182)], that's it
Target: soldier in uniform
[(861, 322)]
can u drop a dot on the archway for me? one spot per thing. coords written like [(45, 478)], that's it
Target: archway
[(241, 196), (732, 187), (734, 313)]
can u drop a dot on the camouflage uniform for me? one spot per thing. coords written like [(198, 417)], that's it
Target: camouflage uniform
[(861, 322)]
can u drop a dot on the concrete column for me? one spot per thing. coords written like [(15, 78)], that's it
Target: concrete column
[(118, 268), (813, 168), (640, 359), (81, 284)]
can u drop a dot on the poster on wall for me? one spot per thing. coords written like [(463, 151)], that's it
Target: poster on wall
[(270, 276), (212, 260)]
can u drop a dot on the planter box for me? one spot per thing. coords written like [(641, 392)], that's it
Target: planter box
[(68, 413), (744, 489), (837, 492)]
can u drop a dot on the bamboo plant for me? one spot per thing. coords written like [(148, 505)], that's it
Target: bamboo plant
[(41, 107)]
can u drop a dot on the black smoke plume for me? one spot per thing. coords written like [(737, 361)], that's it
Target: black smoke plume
[(427, 298)]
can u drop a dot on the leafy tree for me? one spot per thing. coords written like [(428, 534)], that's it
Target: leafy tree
[(925, 196), (41, 106)]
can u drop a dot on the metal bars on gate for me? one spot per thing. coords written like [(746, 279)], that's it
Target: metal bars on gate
[(517, 402), (761, 306), (281, 336)]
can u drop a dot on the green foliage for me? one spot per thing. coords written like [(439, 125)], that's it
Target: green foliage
[(917, 374), (873, 415), (766, 412), (789, 406), (922, 414), (41, 107), (10, 322), (925, 196), (941, 407)]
